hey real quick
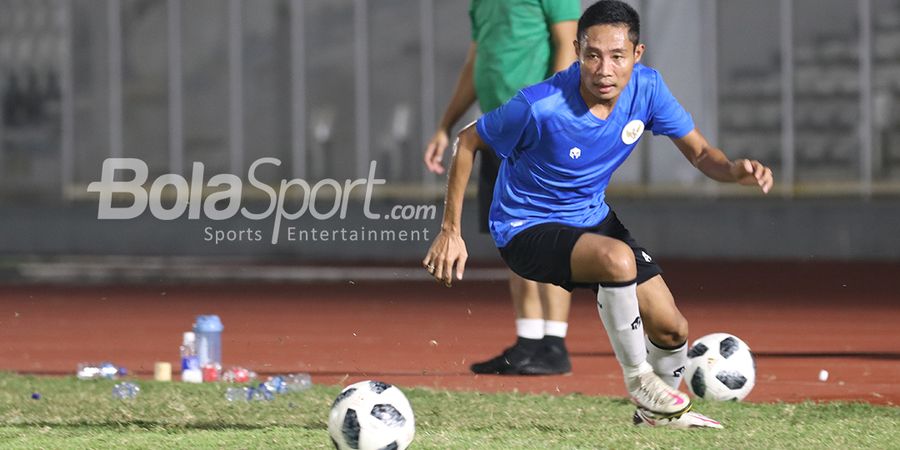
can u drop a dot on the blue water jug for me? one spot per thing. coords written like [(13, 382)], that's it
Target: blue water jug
[(208, 331)]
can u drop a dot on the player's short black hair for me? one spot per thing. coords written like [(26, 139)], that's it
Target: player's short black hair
[(611, 12)]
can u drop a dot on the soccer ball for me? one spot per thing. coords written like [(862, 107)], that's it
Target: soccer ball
[(371, 415), (720, 367)]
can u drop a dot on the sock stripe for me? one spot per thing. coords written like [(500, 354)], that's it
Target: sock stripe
[(617, 284), (663, 347)]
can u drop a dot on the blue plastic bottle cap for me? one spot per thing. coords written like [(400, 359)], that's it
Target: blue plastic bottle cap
[(209, 323)]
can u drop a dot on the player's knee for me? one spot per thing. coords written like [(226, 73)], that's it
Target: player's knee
[(675, 333), (618, 259), (668, 333), (679, 334)]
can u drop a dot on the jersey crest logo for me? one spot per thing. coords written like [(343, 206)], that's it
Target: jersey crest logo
[(632, 132), (575, 153)]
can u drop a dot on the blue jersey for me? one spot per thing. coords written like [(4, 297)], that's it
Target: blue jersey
[(557, 157)]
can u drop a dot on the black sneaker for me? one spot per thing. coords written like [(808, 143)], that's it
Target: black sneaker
[(550, 359), (510, 361)]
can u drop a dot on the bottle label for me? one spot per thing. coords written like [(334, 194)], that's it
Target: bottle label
[(190, 363)]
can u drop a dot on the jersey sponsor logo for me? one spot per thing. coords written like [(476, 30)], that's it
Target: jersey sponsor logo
[(575, 153), (632, 132), (646, 256)]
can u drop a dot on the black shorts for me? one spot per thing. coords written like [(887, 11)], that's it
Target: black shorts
[(543, 253), (487, 177)]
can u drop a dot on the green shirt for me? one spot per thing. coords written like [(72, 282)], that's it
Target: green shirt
[(514, 47)]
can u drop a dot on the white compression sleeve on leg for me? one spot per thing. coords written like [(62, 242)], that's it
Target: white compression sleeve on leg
[(669, 364), (618, 307)]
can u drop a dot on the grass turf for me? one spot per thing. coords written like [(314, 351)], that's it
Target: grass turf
[(83, 414)]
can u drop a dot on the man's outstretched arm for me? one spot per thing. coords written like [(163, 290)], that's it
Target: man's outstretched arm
[(463, 97), (448, 248), (713, 163)]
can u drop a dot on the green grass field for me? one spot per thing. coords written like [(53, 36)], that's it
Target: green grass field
[(83, 414)]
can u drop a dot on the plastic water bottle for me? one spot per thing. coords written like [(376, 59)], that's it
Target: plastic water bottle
[(190, 364), (276, 385), (107, 370), (261, 393), (236, 394), (125, 390), (238, 374), (297, 382), (249, 394), (283, 384), (208, 331), (87, 371)]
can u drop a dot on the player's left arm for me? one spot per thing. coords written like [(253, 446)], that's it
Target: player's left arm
[(713, 163), (448, 249), (563, 34)]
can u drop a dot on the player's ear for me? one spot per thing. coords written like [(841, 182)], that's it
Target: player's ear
[(638, 52), (577, 45)]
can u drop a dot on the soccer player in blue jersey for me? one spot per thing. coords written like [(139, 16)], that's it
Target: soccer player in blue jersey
[(560, 142)]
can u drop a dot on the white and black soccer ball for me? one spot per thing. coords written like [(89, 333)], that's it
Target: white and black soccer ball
[(720, 368), (371, 415)]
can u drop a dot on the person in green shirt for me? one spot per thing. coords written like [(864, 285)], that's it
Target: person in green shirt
[(515, 43)]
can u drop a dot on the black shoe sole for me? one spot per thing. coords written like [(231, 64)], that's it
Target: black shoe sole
[(498, 366), (546, 362), (536, 369), (528, 368)]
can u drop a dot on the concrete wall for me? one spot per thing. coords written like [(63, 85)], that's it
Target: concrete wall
[(735, 228)]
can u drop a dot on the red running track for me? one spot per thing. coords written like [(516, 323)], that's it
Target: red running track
[(798, 318)]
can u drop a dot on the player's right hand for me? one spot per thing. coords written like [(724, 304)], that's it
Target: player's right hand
[(434, 152), (751, 172), (447, 250)]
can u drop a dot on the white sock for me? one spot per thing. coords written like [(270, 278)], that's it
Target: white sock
[(555, 328), (618, 307), (530, 328), (669, 364)]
